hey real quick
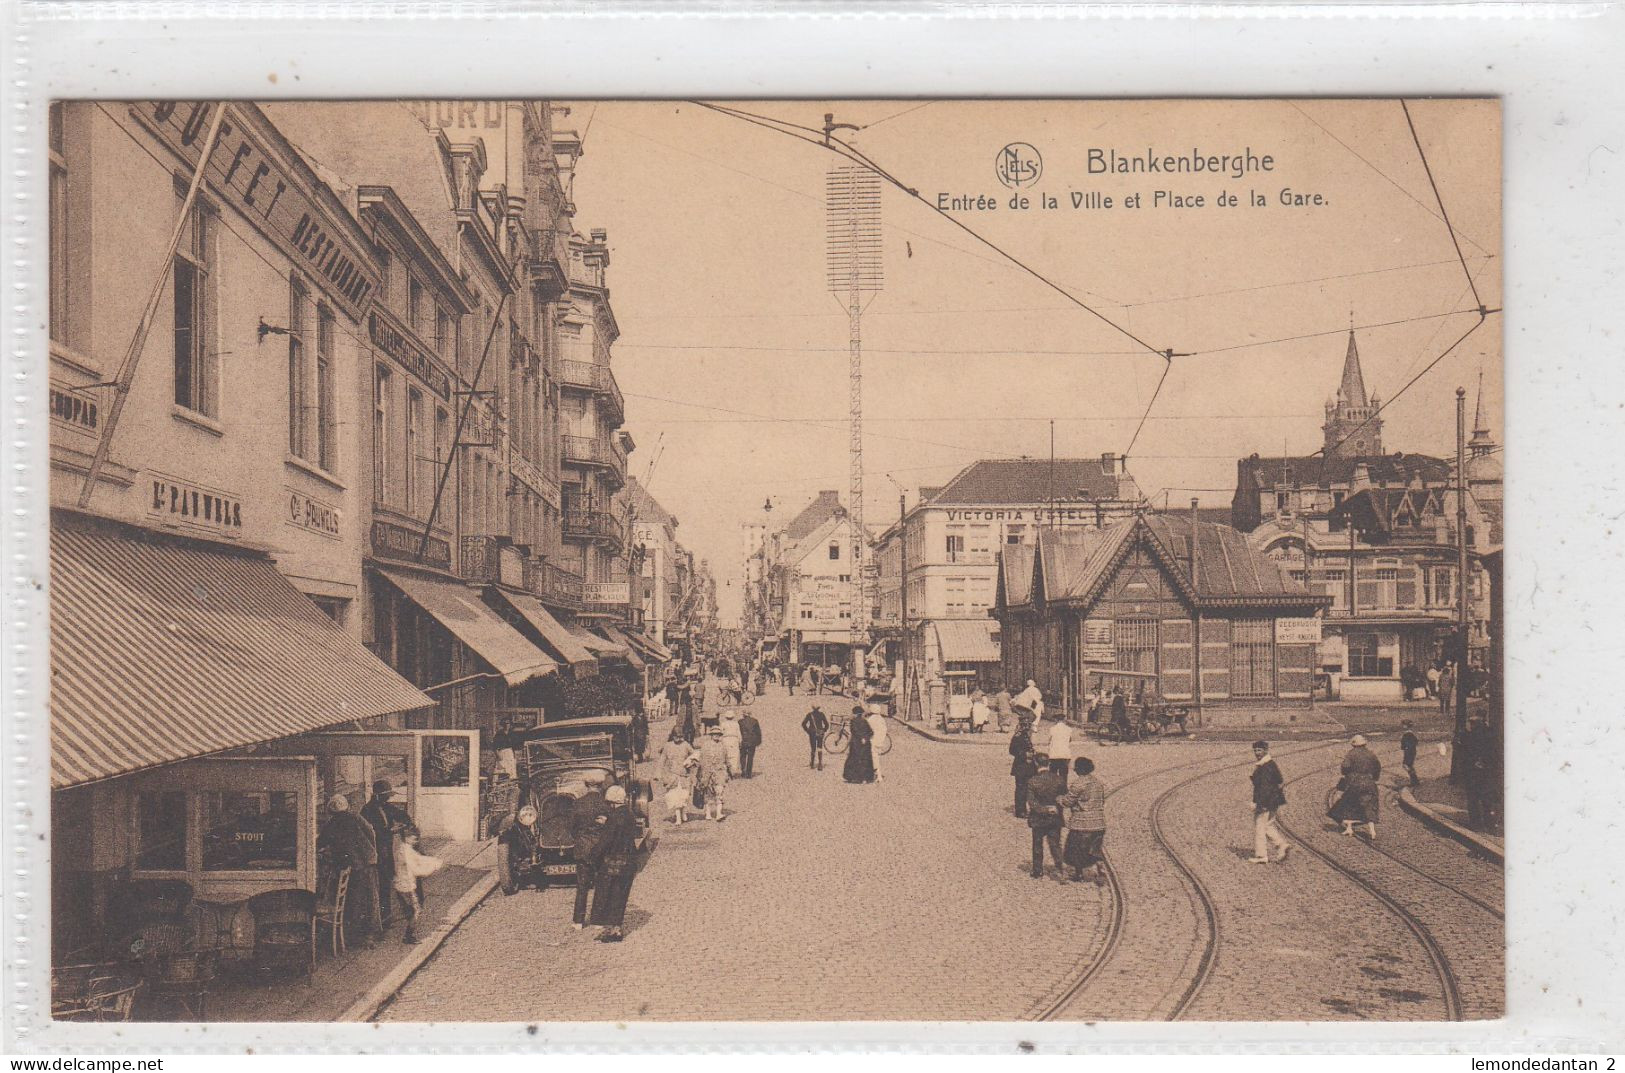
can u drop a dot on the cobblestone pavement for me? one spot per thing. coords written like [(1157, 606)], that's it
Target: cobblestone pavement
[(910, 899)]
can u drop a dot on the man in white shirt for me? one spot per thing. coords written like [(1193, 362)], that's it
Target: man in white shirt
[(1060, 740)]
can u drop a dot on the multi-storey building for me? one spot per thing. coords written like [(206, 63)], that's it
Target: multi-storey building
[(208, 416), (1377, 535), (950, 540), (809, 569)]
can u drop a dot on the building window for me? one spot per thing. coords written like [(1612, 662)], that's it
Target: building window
[(58, 224), (414, 304), (445, 336), (195, 386), (326, 393), (1252, 657), (1364, 661), (1136, 643), (298, 373), (414, 463), (846, 579), (442, 442), (955, 545), (834, 550), (380, 434)]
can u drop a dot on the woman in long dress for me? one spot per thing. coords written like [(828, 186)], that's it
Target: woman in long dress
[(677, 760), (860, 756)]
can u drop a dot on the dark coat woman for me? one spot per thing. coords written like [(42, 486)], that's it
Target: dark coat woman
[(616, 865), (1360, 802), (860, 757)]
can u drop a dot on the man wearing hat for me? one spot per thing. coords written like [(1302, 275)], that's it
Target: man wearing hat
[(349, 842), (1268, 797), (586, 829), (1044, 793), (385, 814)]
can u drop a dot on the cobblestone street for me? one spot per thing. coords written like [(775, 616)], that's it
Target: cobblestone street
[(910, 899)]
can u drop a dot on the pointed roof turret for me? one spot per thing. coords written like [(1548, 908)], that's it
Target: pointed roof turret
[(1352, 389)]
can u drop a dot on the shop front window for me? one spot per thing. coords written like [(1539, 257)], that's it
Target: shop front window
[(1364, 661), (249, 831), (161, 831), (445, 760)]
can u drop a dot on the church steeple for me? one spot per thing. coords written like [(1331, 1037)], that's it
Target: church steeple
[(1352, 427), (1352, 390)]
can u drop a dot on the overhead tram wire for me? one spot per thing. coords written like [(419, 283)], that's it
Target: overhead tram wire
[(834, 145), (1443, 215), (897, 115)]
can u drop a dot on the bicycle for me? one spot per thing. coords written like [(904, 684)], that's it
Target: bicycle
[(839, 737)]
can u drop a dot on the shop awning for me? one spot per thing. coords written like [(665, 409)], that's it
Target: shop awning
[(651, 648), (967, 640), (621, 639), (459, 608), (595, 644), (163, 650), (552, 630)]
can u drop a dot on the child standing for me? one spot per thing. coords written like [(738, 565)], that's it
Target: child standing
[(411, 866)]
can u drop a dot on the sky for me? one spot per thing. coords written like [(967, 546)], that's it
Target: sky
[(733, 354)]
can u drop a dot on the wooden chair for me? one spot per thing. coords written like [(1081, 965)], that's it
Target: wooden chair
[(285, 927), (330, 908)]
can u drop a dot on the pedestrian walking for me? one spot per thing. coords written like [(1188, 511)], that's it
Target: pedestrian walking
[(1481, 773), (1269, 794), (639, 731), (816, 725), (385, 815), (979, 714), (1407, 752), (1002, 709), (732, 740), (1060, 740), (1085, 805), (1447, 683), (410, 868), (750, 738), (1433, 679), (880, 734), (816, 674), (713, 780), (586, 834), (1031, 698), (677, 761), (1023, 766), (617, 865), (1360, 801), (860, 754), (349, 842), (1044, 793), (792, 676)]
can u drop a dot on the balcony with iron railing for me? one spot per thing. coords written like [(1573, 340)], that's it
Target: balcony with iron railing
[(596, 378), (596, 451), (599, 525), (548, 260), (554, 584)]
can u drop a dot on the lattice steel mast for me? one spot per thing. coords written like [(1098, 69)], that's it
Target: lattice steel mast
[(853, 273)]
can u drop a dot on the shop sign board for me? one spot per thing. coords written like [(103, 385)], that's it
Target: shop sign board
[(175, 501), (245, 171), (75, 411), (408, 355), (1297, 631), (1098, 646), (391, 541), (312, 514), (606, 592)]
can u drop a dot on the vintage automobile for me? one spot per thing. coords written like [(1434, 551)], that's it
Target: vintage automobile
[(555, 762), (1149, 715)]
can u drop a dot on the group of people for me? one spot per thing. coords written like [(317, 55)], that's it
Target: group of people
[(604, 840), (815, 679), (1056, 791), (378, 844), (868, 739), (695, 774)]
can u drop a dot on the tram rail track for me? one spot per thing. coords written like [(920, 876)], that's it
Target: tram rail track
[(1450, 986), (1206, 908)]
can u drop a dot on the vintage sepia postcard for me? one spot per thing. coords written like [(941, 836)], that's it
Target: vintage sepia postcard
[(858, 560)]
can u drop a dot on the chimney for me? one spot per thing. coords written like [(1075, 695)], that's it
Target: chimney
[(599, 235), (1108, 463)]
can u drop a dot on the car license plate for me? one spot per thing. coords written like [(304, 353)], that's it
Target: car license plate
[(558, 869)]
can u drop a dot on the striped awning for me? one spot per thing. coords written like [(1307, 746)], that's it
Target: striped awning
[(648, 646), (460, 609), (595, 644), (632, 655), (968, 640), (560, 639), (164, 649)]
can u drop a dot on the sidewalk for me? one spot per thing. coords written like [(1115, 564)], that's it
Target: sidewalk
[(352, 986), (1443, 807)]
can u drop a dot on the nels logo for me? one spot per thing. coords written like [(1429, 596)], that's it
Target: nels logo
[(1018, 164)]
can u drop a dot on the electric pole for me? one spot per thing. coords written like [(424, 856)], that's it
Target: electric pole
[(1460, 680)]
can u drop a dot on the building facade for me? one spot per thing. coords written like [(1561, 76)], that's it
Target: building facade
[(1183, 606), (951, 538)]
